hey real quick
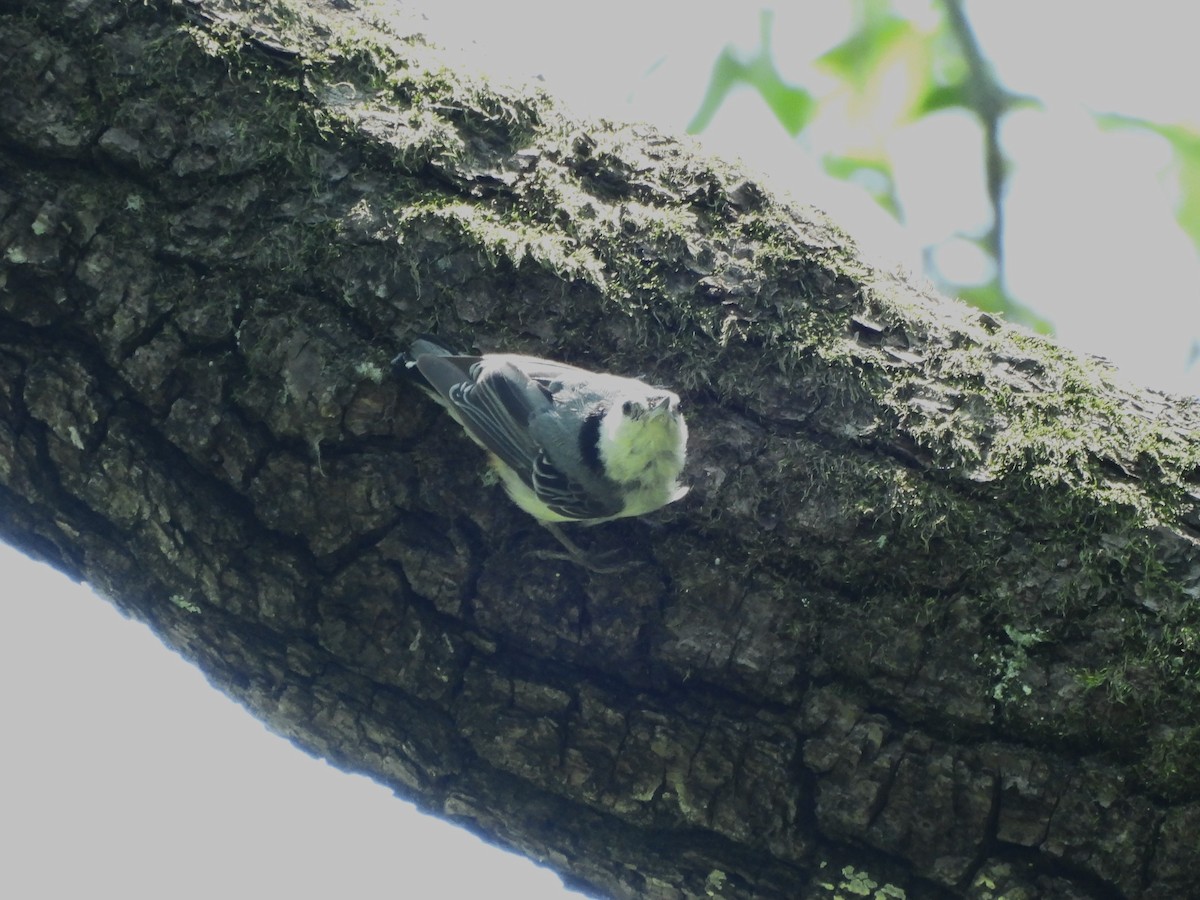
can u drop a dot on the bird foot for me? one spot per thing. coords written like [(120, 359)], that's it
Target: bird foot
[(581, 557)]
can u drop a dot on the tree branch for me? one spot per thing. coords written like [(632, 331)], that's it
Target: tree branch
[(928, 618)]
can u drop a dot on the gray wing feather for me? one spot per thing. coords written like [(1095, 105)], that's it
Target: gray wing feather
[(497, 405), (566, 496)]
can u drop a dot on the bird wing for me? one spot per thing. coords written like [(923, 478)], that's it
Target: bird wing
[(566, 496), (497, 403)]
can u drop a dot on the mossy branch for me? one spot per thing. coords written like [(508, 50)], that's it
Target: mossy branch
[(929, 618)]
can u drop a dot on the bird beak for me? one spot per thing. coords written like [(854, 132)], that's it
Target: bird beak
[(659, 405)]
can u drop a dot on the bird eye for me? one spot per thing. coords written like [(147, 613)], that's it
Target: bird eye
[(627, 407)]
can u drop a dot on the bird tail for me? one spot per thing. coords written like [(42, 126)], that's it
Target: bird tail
[(404, 366)]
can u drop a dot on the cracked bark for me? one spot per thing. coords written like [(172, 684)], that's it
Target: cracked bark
[(927, 623)]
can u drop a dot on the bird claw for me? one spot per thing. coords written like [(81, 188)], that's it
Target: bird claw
[(580, 556)]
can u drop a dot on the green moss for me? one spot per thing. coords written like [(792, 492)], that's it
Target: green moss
[(184, 604), (1171, 764), (1011, 665), (854, 883)]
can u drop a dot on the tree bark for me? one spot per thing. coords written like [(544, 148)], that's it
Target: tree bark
[(927, 625)]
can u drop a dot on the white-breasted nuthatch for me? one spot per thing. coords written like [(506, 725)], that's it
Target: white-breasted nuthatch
[(569, 445)]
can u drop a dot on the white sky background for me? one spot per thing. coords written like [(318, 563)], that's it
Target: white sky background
[(119, 766)]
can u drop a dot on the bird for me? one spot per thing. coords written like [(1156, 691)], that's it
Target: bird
[(568, 444)]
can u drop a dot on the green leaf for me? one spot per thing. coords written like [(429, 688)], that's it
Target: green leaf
[(872, 173), (856, 59), (991, 297), (727, 72), (791, 105), (943, 96), (1185, 148)]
